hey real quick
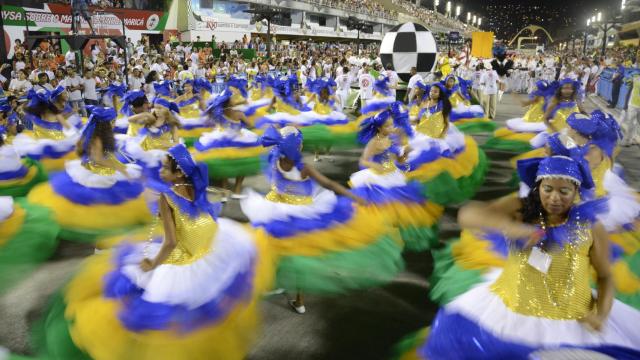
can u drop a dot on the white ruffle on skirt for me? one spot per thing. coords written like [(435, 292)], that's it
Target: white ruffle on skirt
[(26, 145), (624, 207), (486, 309), (519, 125), (242, 136), (80, 175), (259, 210), (368, 177), (232, 252), (130, 146), (6, 207), (9, 159)]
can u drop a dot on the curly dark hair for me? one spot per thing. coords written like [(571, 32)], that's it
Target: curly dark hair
[(104, 132), (446, 104), (558, 94), (532, 206), (151, 77), (41, 108)]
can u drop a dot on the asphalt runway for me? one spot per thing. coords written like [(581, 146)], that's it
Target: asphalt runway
[(359, 325)]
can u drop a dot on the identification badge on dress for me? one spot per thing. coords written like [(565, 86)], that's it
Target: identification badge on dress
[(540, 260)]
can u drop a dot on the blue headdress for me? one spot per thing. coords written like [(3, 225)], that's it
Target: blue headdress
[(37, 98), (369, 126), (163, 88), (601, 129), (286, 142), (542, 89), (260, 81), (556, 167), (577, 86), (57, 92), (401, 118), (116, 90), (381, 86), (200, 84), (128, 99), (444, 92), (198, 174), (166, 103), (320, 84), (99, 114), (215, 106), (5, 107), (238, 84)]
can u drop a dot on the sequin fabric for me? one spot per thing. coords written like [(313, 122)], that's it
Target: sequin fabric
[(100, 169), (432, 125), (162, 142), (194, 236), (455, 99), (535, 112), (287, 191), (322, 109), (43, 133), (563, 293), (559, 121)]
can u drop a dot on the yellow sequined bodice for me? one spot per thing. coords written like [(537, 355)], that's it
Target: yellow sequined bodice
[(414, 111), (194, 236), (535, 112), (559, 120), (162, 142), (432, 125), (282, 106), (133, 129), (257, 93), (190, 111), (100, 169), (44, 133), (322, 109), (562, 294), (598, 176), (456, 99)]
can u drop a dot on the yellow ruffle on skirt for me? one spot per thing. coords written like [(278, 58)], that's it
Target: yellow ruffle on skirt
[(506, 134), (474, 253), (458, 167)]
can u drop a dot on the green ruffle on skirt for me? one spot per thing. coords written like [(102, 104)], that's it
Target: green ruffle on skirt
[(319, 137), (32, 244), (406, 348), (631, 299), (339, 272), (477, 127), (51, 335), (93, 235), (23, 190), (233, 167), (448, 280), (514, 146), (444, 189), (419, 238)]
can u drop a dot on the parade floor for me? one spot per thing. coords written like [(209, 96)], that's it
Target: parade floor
[(359, 325)]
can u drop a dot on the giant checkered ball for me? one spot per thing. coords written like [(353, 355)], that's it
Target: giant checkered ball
[(408, 45)]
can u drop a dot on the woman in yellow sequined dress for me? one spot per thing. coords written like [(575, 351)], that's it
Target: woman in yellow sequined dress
[(542, 301), (96, 195), (191, 293)]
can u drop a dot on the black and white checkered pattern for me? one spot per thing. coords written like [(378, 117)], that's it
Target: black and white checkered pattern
[(408, 45)]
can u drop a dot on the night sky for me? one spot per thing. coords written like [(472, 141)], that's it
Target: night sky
[(507, 17)]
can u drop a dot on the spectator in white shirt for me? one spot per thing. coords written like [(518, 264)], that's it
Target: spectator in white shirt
[(74, 85), (490, 85), (476, 86), (43, 83), (42, 68), (343, 81), (411, 86), (136, 80), (70, 58), (90, 94), (20, 85), (394, 79), (365, 81)]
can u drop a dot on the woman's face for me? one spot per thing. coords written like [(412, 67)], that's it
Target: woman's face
[(450, 82), (167, 174), (22, 75), (595, 156), (557, 195), (387, 129), (566, 91), (434, 93)]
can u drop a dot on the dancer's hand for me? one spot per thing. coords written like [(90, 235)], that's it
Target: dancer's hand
[(521, 231), (146, 265), (593, 321)]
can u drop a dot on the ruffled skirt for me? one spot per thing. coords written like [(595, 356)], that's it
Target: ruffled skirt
[(229, 153), (52, 154), (202, 310), (471, 119), (329, 246), (87, 205)]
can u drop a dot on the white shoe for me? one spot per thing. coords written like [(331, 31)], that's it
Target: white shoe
[(224, 199), (238, 196), (299, 309), (278, 291)]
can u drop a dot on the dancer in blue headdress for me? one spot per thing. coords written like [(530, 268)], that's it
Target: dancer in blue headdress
[(133, 102), (542, 300), (52, 140), (326, 242), (519, 132), (96, 195), (384, 185), (191, 103), (60, 99), (191, 293), (17, 175), (231, 150), (468, 118)]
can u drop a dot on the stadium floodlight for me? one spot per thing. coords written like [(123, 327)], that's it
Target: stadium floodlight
[(599, 16), (458, 10), (475, 19), (588, 22), (479, 21), (468, 16), (449, 6)]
